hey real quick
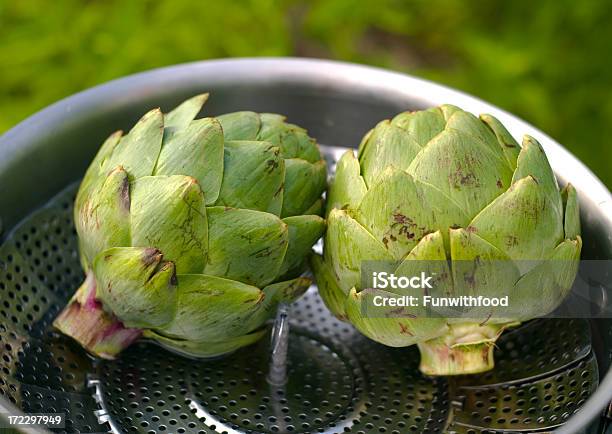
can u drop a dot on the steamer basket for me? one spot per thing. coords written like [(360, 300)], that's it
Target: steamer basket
[(551, 374)]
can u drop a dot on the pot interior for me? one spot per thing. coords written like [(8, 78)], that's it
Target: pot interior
[(547, 369)]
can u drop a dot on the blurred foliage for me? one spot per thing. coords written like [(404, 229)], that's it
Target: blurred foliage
[(547, 61)]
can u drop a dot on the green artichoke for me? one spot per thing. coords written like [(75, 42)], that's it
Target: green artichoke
[(192, 231), (439, 187)]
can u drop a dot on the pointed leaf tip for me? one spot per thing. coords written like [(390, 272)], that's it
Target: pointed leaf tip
[(185, 112), (136, 285), (571, 212), (137, 151)]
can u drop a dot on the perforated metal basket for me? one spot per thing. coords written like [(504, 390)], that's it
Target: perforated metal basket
[(550, 373)]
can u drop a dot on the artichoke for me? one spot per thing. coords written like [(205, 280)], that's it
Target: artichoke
[(435, 188), (191, 232)]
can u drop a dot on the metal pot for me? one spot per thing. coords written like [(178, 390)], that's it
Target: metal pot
[(337, 103)]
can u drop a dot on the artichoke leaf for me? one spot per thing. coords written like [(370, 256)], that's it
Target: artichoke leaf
[(305, 147), (168, 212), (240, 125), (389, 146), (329, 290), (571, 223), (348, 188), (274, 294), (95, 174), (253, 178), (565, 260), (448, 110), (272, 128), (102, 216), (348, 244), (509, 146), (294, 142), (422, 125), (472, 126), (304, 231), (371, 138), (201, 349), (287, 291), (389, 213), (430, 247), (522, 223), (532, 161), (392, 326), (429, 257), (365, 141), (182, 115), (210, 306), (468, 173), (544, 287), (245, 245), (137, 285), (304, 183), (481, 269), (196, 151), (271, 121), (137, 151), (316, 208)]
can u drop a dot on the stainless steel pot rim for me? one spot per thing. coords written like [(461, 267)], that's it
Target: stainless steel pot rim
[(13, 144)]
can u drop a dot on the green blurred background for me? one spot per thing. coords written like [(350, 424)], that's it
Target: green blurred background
[(547, 61)]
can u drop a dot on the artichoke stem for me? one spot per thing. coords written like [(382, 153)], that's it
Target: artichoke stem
[(440, 359), (465, 349), (85, 321)]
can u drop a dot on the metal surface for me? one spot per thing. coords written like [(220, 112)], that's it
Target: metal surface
[(279, 342), (359, 386)]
